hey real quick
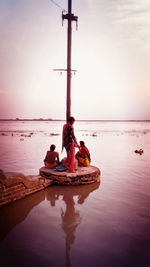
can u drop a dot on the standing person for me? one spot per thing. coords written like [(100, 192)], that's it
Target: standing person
[(69, 142), (83, 155), (52, 158)]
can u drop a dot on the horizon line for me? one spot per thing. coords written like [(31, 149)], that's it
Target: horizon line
[(49, 119)]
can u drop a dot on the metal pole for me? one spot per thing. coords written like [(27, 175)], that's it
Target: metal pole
[(68, 112), (70, 17)]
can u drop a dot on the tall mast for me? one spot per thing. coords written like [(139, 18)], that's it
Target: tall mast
[(70, 17)]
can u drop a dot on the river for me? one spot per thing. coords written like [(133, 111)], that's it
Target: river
[(104, 224)]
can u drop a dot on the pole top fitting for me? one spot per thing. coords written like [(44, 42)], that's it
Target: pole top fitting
[(70, 17)]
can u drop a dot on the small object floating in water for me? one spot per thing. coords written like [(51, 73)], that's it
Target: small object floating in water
[(4, 134), (94, 134), (82, 176), (26, 135), (140, 151), (54, 134)]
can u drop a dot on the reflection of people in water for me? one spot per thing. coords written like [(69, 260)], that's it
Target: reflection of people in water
[(83, 194), (70, 217), (70, 220), (52, 197)]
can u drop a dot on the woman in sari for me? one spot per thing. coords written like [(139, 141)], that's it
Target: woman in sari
[(83, 155), (69, 142)]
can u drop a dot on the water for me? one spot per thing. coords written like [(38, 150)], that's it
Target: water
[(106, 224)]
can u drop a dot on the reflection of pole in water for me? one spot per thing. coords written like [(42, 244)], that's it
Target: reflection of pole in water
[(70, 217), (70, 220)]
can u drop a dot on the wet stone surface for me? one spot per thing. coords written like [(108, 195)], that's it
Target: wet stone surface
[(14, 186), (83, 175)]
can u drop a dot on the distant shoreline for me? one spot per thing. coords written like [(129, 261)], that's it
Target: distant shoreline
[(18, 120)]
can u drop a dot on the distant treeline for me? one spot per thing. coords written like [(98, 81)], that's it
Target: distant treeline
[(17, 119), (41, 119)]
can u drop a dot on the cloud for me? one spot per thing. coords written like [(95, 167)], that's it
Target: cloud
[(126, 21), (133, 19)]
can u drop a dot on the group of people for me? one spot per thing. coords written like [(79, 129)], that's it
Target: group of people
[(69, 142)]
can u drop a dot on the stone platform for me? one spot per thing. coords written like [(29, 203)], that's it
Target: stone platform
[(14, 186), (82, 176)]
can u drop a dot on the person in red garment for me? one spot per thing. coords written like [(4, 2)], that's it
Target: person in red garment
[(69, 142), (52, 158), (83, 155)]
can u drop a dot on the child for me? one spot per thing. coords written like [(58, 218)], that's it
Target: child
[(83, 155), (52, 158)]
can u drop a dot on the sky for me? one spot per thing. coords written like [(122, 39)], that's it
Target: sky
[(110, 51)]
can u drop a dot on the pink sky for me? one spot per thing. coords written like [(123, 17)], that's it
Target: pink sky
[(111, 52)]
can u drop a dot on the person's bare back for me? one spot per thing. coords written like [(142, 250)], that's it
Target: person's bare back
[(52, 156)]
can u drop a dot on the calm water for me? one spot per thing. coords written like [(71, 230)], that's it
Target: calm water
[(106, 224)]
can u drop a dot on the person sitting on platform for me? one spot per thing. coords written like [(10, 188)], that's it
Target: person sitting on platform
[(52, 158), (83, 155), (64, 162)]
